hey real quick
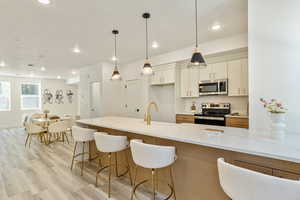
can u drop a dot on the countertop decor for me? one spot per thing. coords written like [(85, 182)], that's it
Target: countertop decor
[(277, 116)]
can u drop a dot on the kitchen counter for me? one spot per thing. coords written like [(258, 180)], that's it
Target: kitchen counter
[(233, 139), (199, 146)]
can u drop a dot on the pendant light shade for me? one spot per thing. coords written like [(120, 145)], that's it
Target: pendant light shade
[(147, 68), (116, 74), (197, 58)]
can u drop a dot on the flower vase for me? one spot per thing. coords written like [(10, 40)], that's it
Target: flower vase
[(277, 124)]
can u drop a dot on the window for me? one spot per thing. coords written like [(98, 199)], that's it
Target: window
[(4, 96), (30, 96)]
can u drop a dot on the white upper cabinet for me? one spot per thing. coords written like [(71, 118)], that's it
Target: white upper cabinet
[(238, 77), (189, 82), (219, 70), (214, 71), (163, 74)]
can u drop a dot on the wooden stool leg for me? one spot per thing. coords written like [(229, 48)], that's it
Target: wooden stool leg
[(134, 182), (30, 139), (73, 155), (116, 160), (67, 139), (109, 176), (128, 165), (26, 139), (172, 181), (82, 159), (153, 183)]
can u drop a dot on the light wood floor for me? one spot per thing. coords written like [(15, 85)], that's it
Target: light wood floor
[(43, 173)]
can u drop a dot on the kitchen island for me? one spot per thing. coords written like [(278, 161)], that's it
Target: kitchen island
[(199, 146)]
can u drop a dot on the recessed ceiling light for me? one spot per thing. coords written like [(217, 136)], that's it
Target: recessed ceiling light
[(43, 69), (58, 77), (155, 45), (76, 49), (74, 72), (216, 27), (2, 64), (31, 74), (46, 2)]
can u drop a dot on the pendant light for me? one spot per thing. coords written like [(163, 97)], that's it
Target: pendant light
[(147, 68), (116, 74), (197, 58)]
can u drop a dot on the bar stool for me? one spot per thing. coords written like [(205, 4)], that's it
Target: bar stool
[(110, 144), (83, 136), (239, 183), (153, 157)]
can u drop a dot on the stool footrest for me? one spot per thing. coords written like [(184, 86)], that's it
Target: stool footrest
[(145, 181)]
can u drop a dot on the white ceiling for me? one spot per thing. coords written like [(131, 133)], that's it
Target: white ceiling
[(32, 33)]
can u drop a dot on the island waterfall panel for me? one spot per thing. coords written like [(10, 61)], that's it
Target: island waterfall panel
[(195, 171)]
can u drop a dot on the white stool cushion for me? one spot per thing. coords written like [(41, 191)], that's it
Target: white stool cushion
[(152, 156), (239, 183), (82, 134), (110, 143)]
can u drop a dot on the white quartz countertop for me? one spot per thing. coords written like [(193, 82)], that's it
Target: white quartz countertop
[(234, 139)]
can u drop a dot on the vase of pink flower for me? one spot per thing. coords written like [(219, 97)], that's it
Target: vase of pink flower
[(277, 115)]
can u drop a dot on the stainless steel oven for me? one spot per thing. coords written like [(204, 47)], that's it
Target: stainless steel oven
[(215, 87)]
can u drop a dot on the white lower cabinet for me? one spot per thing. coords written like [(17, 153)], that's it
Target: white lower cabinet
[(238, 77), (190, 82)]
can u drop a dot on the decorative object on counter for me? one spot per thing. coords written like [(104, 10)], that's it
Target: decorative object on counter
[(47, 97), (116, 74), (46, 112), (193, 107), (277, 115), (70, 95), (197, 58), (147, 68), (59, 97)]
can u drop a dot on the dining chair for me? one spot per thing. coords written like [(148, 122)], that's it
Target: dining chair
[(34, 130), (70, 121), (59, 131)]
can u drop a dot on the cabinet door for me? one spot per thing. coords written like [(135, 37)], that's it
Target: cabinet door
[(156, 77), (184, 76), (169, 76), (194, 81), (234, 78), (244, 77), (205, 74), (219, 70)]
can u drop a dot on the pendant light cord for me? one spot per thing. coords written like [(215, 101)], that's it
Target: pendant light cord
[(147, 53), (116, 50), (196, 9)]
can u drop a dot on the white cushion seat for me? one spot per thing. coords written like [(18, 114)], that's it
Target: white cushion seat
[(152, 156), (243, 184), (110, 143), (83, 134)]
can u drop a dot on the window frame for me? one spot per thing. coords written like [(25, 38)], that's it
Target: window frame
[(9, 97), (39, 95)]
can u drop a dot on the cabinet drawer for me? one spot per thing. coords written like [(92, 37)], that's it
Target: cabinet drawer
[(185, 119), (237, 122), (254, 167), (285, 174)]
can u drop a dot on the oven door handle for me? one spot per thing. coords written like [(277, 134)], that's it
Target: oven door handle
[(210, 118)]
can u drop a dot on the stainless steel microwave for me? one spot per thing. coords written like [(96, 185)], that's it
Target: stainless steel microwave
[(215, 87)]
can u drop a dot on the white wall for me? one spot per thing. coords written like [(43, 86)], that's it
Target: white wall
[(14, 117), (274, 61)]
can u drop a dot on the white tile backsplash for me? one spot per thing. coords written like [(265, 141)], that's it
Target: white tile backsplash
[(238, 104)]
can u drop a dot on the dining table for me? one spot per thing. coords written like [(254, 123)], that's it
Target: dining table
[(45, 122)]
